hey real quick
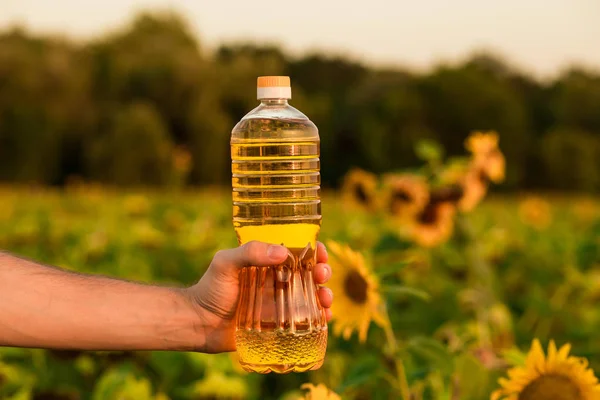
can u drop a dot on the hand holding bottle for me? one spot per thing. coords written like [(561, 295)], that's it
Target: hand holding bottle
[(216, 294)]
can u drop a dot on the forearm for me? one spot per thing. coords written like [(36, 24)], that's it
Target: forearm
[(51, 308)]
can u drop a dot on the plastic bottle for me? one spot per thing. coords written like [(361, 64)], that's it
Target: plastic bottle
[(280, 324)]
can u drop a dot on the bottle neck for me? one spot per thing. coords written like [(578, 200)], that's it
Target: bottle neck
[(274, 102)]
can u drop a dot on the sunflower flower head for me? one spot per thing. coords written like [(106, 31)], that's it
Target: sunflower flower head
[(471, 182), (405, 195), (360, 189), (358, 301), (434, 224), (487, 156), (318, 392), (555, 376)]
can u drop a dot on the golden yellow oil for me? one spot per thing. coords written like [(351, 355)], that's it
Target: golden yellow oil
[(289, 235), (280, 324), (281, 352)]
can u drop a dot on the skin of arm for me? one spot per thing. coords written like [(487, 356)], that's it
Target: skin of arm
[(46, 307)]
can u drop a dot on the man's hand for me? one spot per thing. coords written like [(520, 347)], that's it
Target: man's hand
[(216, 294), (46, 307)]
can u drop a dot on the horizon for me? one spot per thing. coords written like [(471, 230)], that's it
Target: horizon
[(563, 35)]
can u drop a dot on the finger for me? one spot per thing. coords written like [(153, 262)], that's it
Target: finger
[(325, 297), (322, 273), (251, 254), (328, 314), (321, 253)]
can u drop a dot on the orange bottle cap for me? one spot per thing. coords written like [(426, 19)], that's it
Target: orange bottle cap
[(273, 81), (273, 87)]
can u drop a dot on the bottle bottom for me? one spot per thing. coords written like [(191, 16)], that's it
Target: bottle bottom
[(281, 352)]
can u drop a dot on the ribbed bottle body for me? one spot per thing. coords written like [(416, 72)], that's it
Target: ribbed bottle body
[(281, 326)]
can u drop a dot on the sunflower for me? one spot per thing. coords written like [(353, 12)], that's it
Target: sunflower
[(474, 187), (434, 224), (356, 288), (360, 189), (535, 212), (487, 157), (482, 143), (465, 185), (319, 392), (405, 195), (556, 376), (492, 165)]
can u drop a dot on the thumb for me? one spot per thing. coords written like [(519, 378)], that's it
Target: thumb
[(250, 254)]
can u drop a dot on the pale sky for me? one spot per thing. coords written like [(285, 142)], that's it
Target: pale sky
[(539, 36)]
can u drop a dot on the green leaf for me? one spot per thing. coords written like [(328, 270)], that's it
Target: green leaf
[(472, 378), (169, 365), (514, 357), (390, 241), (433, 352), (400, 290), (390, 268), (429, 150), (365, 369)]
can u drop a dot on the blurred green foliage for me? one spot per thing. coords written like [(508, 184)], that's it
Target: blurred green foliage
[(84, 108), (515, 269), (136, 149)]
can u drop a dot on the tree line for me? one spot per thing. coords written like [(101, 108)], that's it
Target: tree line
[(116, 108)]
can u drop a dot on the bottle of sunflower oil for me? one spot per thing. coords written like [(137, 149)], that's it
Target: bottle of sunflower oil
[(280, 324)]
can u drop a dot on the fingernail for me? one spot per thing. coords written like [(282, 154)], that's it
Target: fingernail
[(324, 251), (327, 272), (276, 253)]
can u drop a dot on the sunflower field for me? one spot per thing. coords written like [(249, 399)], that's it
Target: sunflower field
[(443, 288)]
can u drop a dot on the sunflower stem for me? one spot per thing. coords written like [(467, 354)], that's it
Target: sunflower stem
[(393, 345)]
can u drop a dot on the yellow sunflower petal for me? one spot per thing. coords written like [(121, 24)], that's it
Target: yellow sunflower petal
[(536, 358), (564, 351), (552, 352)]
